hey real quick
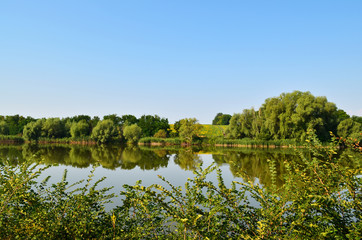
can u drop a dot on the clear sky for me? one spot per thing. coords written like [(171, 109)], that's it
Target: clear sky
[(175, 59)]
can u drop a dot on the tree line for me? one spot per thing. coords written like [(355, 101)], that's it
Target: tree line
[(287, 116), (290, 115)]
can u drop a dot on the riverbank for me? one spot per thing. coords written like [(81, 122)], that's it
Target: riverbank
[(221, 142)]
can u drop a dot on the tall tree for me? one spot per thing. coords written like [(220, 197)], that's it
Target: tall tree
[(132, 133), (189, 129), (79, 129), (151, 124), (114, 118), (33, 130), (4, 128), (54, 128), (349, 128), (288, 116), (128, 119), (221, 119), (105, 131)]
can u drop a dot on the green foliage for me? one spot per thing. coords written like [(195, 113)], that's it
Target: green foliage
[(161, 134), (104, 132), (128, 120), (342, 115), (221, 119), (189, 129), (16, 123), (79, 129), (348, 127), (320, 199), (54, 128), (33, 130), (288, 116), (114, 118), (11, 138), (357, 119), (152, 124), (166, 141), (248, 142), (132, 133), (4, 128), (58, 212)]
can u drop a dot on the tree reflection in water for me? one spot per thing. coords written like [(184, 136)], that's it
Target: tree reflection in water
[(187, 159), (250, 164)]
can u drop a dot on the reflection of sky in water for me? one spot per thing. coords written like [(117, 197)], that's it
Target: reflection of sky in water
[(127, 165), (173, 173)]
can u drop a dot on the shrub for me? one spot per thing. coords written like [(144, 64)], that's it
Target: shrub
[(161, 134), (321, 199), (104, 132), (132, 133), (33, 130), (79, 129)]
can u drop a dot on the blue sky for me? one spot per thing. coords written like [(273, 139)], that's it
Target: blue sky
[(175, 59)]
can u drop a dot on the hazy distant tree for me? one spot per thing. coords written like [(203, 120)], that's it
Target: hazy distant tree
[(79, 118), (115, 119), (93, 122), (189, 129), (79, 129), (33, 130), (221, 119), (4, 128), (54, 128), (16, 123), (132, 133), (217, 119), (151, 124), (104, 132), (128, 120)]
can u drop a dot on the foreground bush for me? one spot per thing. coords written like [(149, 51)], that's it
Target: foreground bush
[(321, 199)]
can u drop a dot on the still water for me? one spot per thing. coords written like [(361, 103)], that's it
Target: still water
[(125, 165)]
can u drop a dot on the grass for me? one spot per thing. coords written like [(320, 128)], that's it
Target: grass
[(11, 139)]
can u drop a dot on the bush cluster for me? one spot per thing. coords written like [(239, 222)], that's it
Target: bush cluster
[(321, 199)]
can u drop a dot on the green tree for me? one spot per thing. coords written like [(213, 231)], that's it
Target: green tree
[(151, 124), (54, 128), (104, 132), (189, 129), (132, 133), (128, 120), (161, 134), (176, 127), (16, 123), (288, 116), (357, 119), (4, 128), (79, 129), (221, 119), (342, 115), (114, 118), (348, 127), (93, 122), (244, 125), (33, 130)]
